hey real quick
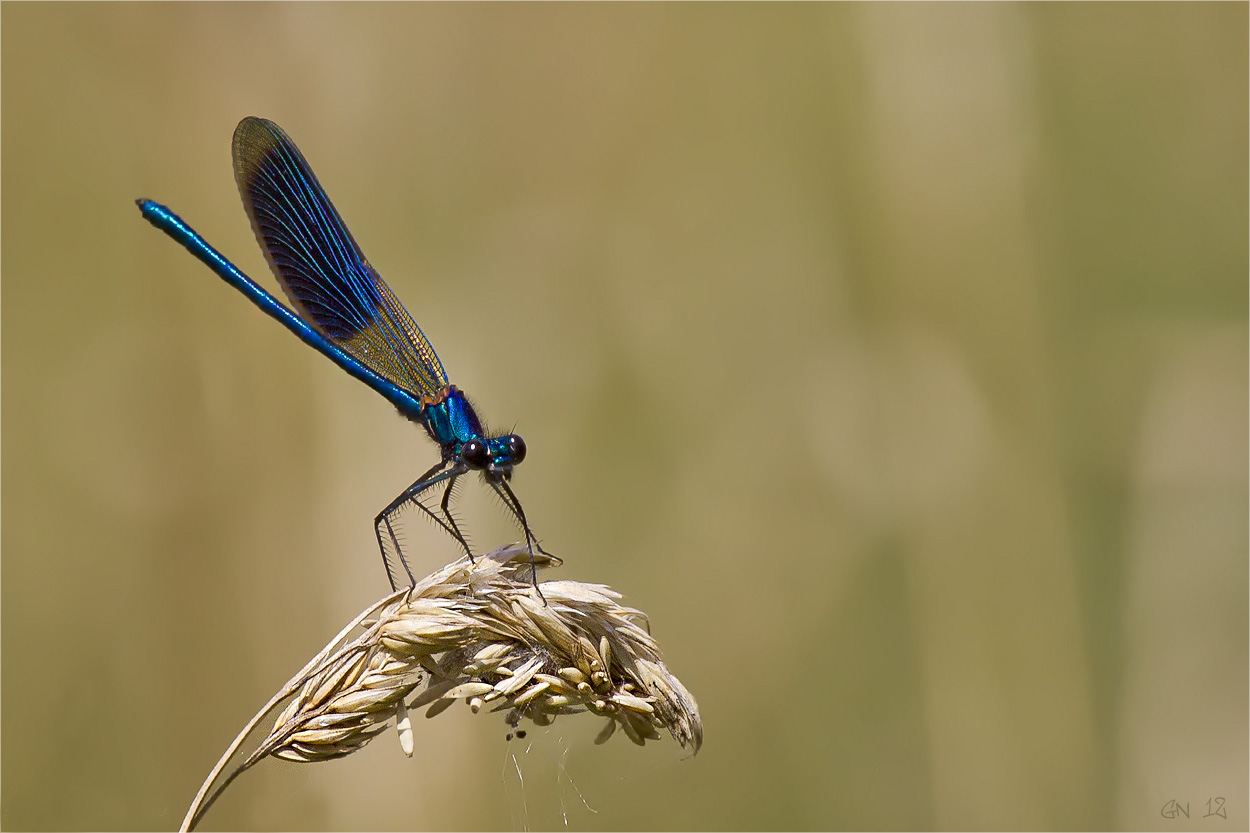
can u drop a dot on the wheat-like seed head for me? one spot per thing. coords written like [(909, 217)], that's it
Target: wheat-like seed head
[(478, 632)]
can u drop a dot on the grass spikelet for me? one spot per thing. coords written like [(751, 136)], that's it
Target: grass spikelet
[(477, 633)]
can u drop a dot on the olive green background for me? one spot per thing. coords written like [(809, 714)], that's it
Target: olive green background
[(893, 358)]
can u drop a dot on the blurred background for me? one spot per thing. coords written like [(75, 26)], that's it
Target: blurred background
[(892, 358)]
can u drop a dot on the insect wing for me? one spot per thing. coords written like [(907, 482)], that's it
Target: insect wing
[(320, 267)]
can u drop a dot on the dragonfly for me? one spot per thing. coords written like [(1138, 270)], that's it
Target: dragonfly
[(344, 310)]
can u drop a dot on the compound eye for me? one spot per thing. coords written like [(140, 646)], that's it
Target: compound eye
[(475, 454), (516, 448)]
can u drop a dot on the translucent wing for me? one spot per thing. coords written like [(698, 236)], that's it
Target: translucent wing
[(319, 265)]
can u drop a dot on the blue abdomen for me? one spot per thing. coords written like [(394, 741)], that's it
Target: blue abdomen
[(450, 419)]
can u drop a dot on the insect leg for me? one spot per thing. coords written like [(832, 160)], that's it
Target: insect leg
[(431, 478)]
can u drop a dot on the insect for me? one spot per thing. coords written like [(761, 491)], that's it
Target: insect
[(344, 310)]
